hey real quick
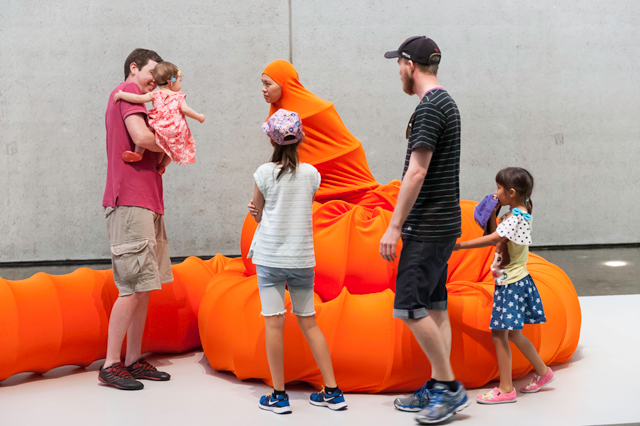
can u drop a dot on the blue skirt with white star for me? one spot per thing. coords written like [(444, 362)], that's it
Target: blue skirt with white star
[(516, 304)]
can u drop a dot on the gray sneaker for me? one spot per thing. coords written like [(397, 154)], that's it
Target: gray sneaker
[(415, 402), (443, 404)]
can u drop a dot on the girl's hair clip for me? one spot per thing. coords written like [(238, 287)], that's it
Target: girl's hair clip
[(173, 79)]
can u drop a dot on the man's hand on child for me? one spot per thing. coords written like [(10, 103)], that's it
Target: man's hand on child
[(456, 247)]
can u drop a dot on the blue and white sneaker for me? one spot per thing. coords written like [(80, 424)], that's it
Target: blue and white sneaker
[(415, 402), (279, 404), (443, 404), (333, 401)]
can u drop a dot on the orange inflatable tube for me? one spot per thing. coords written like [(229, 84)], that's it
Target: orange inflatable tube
[(54, 320)]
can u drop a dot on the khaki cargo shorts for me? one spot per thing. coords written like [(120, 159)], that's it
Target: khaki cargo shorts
[(139, 249)]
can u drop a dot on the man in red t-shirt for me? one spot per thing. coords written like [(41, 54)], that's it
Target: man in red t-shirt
[(134, 209)]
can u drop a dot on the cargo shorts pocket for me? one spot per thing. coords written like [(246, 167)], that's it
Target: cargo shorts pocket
[(130, 260)]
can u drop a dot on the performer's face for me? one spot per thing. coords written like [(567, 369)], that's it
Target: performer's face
[(406, 76), (271, 91)]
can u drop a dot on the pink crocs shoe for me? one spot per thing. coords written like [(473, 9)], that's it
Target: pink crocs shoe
[(538, 382), (497, 397)]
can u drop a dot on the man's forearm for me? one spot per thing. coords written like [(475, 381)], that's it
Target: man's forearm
[(148, 141), (141, 135)]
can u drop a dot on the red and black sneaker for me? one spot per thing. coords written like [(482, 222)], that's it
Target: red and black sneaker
[(141, 369), (118, 376)]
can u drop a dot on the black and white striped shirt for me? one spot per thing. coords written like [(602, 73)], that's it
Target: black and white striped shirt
[(436, 126)]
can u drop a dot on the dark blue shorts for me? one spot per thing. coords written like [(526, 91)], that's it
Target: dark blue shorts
[(422, 278)]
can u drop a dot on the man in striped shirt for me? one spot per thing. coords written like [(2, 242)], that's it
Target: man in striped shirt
[(427, 216)]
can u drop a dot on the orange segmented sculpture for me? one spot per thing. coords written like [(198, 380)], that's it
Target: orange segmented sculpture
[(48, 321)]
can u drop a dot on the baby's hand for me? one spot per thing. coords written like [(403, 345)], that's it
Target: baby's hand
[(117, 96), (201, 118)]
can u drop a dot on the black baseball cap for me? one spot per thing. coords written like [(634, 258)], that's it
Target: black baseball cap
[(419, 49)]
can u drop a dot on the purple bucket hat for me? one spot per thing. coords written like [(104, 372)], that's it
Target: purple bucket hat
[(483, 210), (281, 124)]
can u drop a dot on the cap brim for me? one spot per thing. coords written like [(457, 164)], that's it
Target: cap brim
[(392, 54)]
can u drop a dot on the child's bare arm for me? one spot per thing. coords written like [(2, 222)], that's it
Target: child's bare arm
[(189, 112), (486, 241), (491, 226), (256, 204), (492, 223), (133, 98)]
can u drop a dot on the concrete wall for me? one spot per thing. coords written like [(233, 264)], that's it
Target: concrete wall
[(551, 87)]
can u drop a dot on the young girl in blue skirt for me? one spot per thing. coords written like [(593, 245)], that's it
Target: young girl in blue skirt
[(516, 300)]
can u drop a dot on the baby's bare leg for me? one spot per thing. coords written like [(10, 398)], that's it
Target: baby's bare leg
[(164, 159)]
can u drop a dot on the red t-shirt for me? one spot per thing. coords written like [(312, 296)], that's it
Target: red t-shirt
[(129, 184)]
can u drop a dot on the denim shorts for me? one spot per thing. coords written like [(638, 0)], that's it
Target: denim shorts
[(299, 282)]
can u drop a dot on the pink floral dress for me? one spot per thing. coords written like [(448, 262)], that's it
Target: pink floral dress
[(172, 132)]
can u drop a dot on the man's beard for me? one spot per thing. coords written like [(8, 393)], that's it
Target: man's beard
[(407, 84)]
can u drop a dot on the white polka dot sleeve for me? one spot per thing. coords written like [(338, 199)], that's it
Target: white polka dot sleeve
[(516, 229)]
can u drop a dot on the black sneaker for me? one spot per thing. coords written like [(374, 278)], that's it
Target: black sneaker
[(119, 377), (141, 369)]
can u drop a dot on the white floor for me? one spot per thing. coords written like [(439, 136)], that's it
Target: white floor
[(598, 386)]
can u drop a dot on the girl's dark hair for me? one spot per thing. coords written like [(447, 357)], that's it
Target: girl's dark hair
[(520, 180), (287, 155)]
